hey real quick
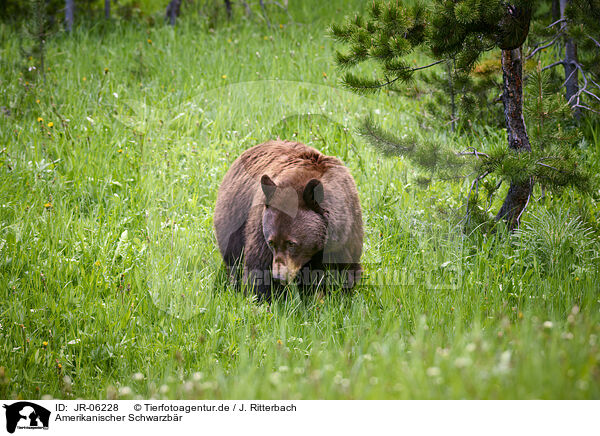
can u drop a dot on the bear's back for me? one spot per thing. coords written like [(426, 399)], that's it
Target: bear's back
[(277, 156)]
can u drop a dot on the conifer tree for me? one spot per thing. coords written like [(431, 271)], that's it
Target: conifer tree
[(566, 33), (37, 31), (461, 31)]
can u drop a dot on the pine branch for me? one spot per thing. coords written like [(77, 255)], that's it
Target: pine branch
[(427, 66), (555, 64), (595, 42), (388, 144), (549, 44), (366, 85), (473, 153), (587, 108), (426, 153), (476, 184), (560, 20), (583, 89)]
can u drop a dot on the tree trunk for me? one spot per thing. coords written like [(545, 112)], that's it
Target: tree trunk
[(107, 9), (247, 8), (512, 97), (555, 10), (450, 71), (570, 64), (173, 9), (264, 12), (69, 14)]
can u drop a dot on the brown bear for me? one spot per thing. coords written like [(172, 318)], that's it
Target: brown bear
[(287, 212)]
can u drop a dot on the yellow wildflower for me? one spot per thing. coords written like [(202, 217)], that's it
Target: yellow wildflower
[(224, 76), (48, 205), (40, 120), (50, 124), (45, 344)]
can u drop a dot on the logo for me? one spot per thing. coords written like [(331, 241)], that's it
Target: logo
[(26, 415)]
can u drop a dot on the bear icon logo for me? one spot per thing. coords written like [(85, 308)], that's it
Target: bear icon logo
[(24, 414)]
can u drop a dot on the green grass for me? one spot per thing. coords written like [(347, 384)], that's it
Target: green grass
[(111, 284)]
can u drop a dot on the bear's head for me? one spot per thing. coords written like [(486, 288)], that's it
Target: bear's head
[(294, 225)]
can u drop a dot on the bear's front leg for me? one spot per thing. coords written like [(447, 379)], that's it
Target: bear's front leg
[(258, 281), (258, 258)]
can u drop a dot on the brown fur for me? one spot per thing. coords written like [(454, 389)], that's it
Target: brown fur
[(307, 207)]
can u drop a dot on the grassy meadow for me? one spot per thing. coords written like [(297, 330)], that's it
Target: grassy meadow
[(111, 284)]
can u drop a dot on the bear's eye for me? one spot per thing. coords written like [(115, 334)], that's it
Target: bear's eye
[(270, 243), (291, 245)]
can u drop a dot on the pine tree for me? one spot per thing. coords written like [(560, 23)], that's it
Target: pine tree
[(565, 33), (37, 31), (461, 31), (454, 99)]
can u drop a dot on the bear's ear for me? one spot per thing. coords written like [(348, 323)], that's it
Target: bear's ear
[(313, 195), (268, 187)]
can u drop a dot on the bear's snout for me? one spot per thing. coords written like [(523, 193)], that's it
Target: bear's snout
[(283, 272), (280, 272)]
